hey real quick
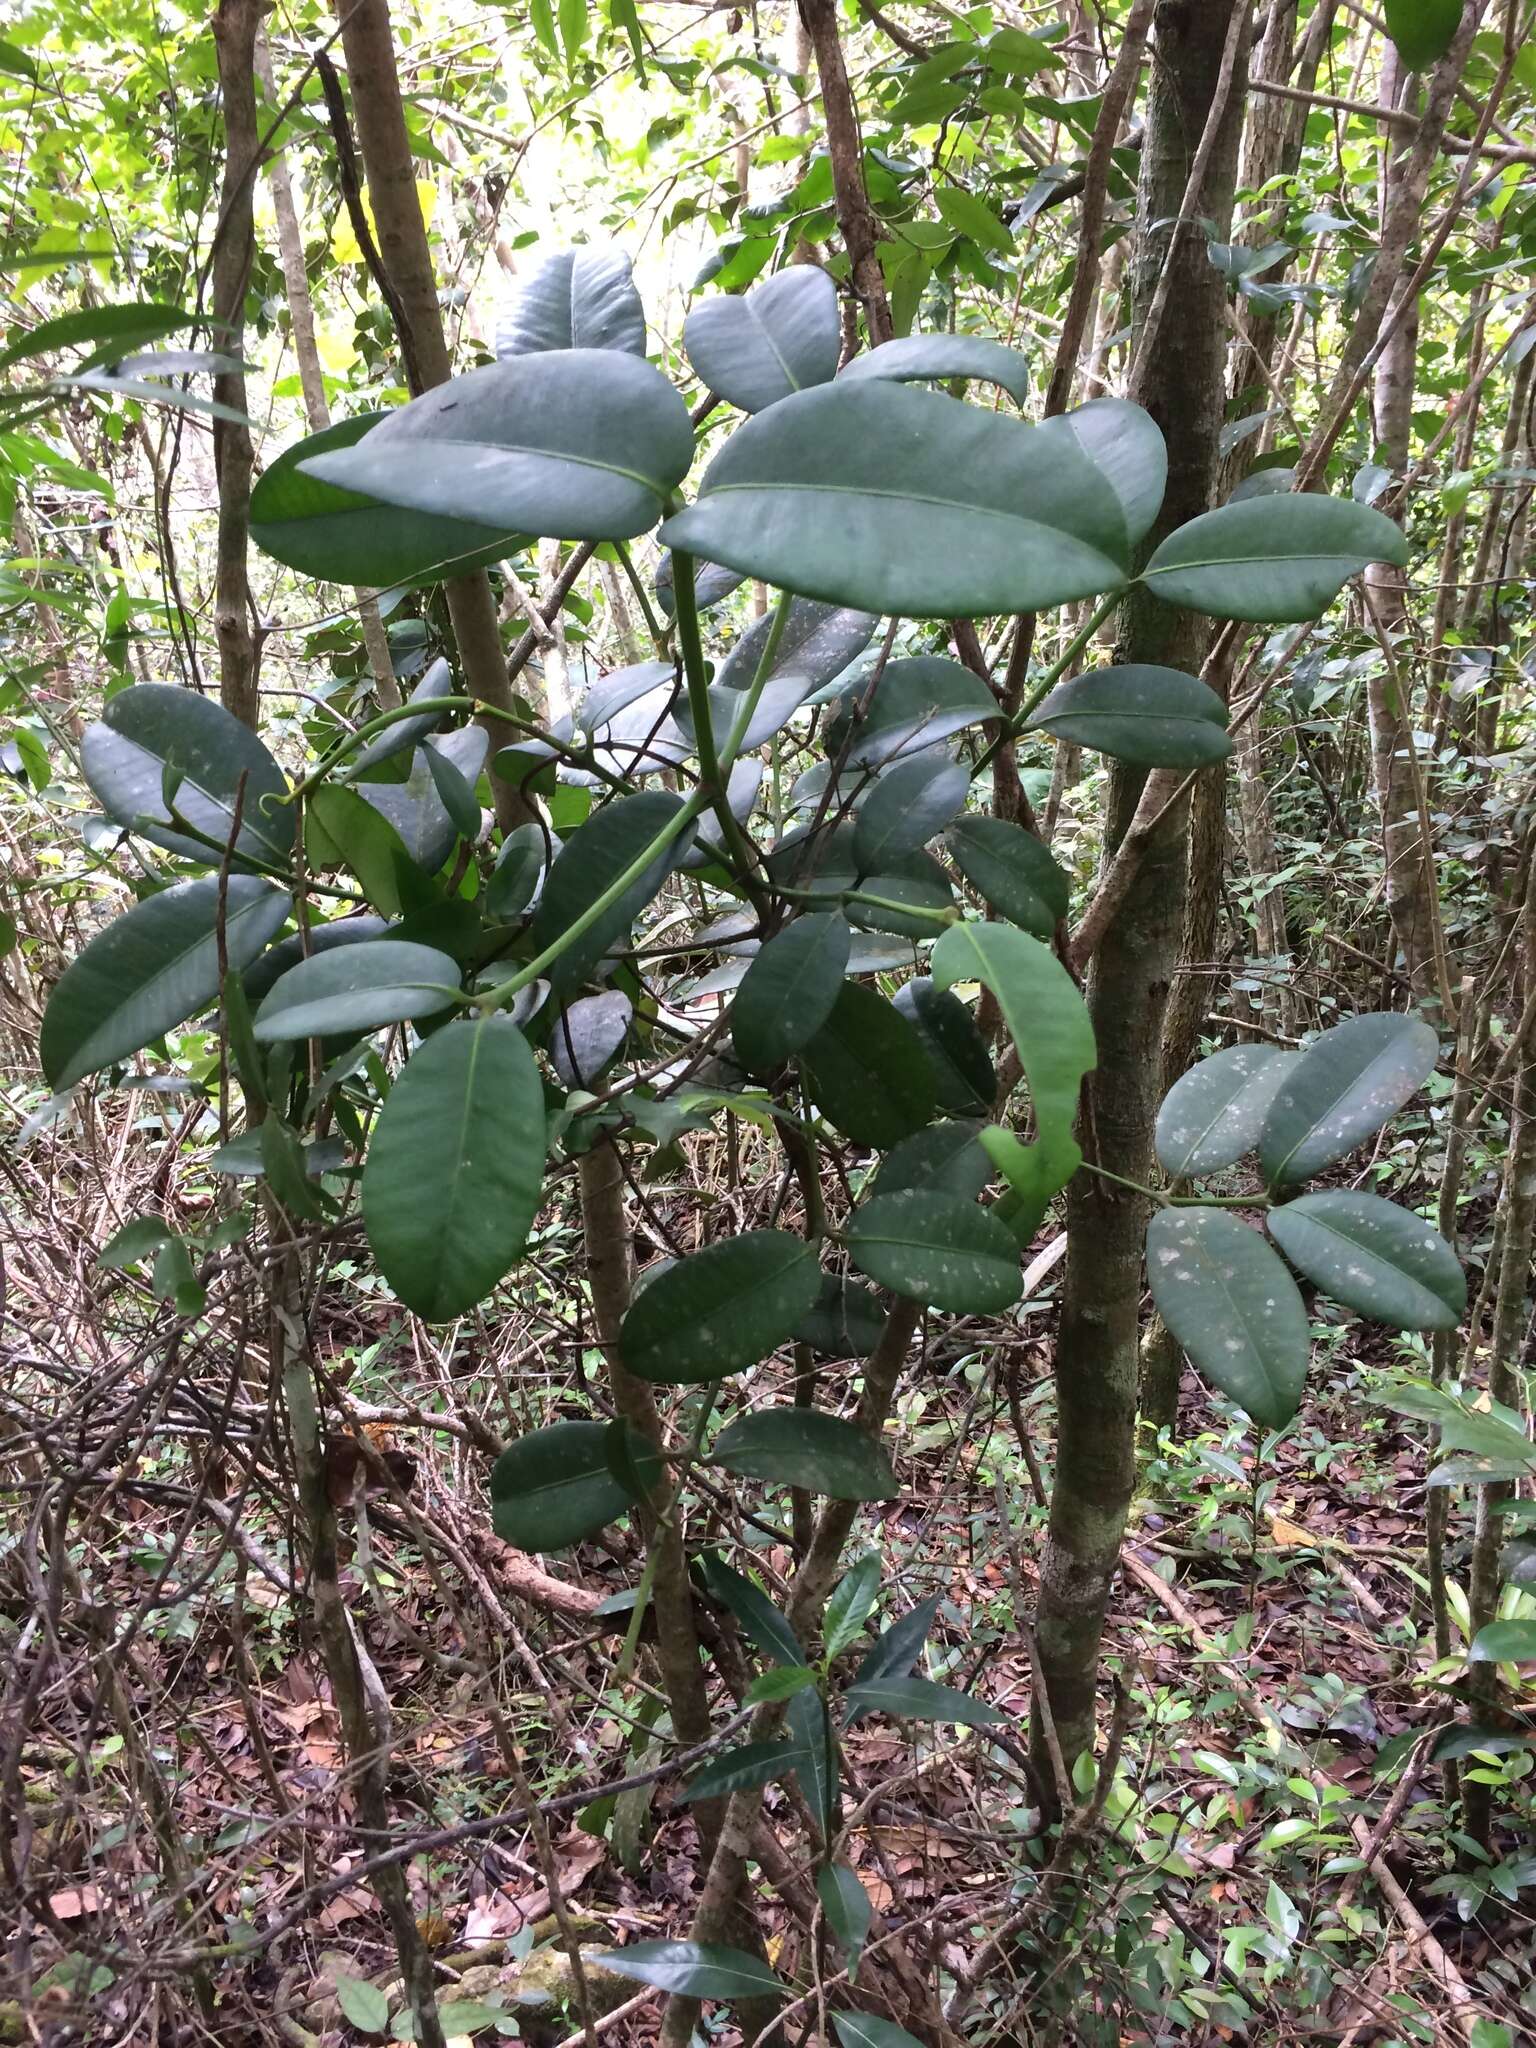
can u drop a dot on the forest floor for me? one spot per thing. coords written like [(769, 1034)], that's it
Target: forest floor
[(177, 1755)]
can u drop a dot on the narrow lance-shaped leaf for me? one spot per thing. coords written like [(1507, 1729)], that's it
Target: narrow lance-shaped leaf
[(694, 1969), (1229, 1301)]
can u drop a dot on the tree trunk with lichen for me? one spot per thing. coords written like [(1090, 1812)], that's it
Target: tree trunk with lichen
[(234, 37)]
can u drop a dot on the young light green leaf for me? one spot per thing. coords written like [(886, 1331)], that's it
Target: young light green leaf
[(804, 1447), (357, 989), (1213, 1114), (720, 1309), (577, 444), (151, 969), (1374, 1257), (695, 1969), (937, 1249), (154, 729), (1423, 30), (1154, 717), (1276, 561), (455, 1166), (782, 336), (780, 1682), (788, 991), (1234, 1308), (1012, 871), (557, 1485), (1344, 1086)]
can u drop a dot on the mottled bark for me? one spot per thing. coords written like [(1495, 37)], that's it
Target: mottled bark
[(845, 146), (234, 36), (1195, 114)]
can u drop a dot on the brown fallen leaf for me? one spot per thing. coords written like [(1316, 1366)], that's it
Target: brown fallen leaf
[(69, 1905)]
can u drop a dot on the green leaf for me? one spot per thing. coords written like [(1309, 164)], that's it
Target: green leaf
[(153, 731), (150, 970), (919, 1699), (424, 826), (1423, 30), (342, 831), (928, 358), (1374, 1257), (114, 331), (851, 1603), (937, 1249), (357, 989), (744, 1769), (1213, 1114), (1049, 1024), (455, 1166), (846, 1321), (803, 1447), (1232, 1305), (174, 1279), (591, 860), (364, 2004), (973, 218), (1505, 1642), (917, 702), (963, 1071), (518, 867), (789, 990), (818, 641), (782, 336), (573, 28), (557, 1485), (863, 2030), (579, 444), (770, 1633), (720, 1309), (403, 736), (943, 1157), (1344, 1086), (846, 1905), (342, 535), (781, 1682), (897, 1648), (455, 790), (907, 806), (819, 1770), (577, 298), (1276, 560), (904, 502), (867, 1071), (1154, 717), (135, 1241), (696, 1969), (1012, 871), (585, 1037)]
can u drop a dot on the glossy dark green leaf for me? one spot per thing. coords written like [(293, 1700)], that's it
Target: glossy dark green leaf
[(242, 1158), (867, 1070), (912, 896), (917, 702), (264, 972), (587, 1034), (406, 733), (897, 1649), (936, 1249), (712, 583), (851, 1603), (1213, 1114), (909, 804), (818, 641), (804, 1447), (1273, 560), (846, 1905), (1012, 871), (1154, 717), (900, 501), (782, 336), (931, 358), (455, 1166), (695, 1969), (720, 1309), (846, 1320), (1049, 1024), (1228, 1299), (592, 859), (576, 298), (357, 989), (743, 1769), (515, 879), (155, 734), (964, 1077), (342, 830), (108, 331), (944, 1158), (580, 444), (767, 1629), (425, 826), (342, 535), (919, 1699), (863, 2030), (1423, 30), (557, 1486), (455, 790), (1344, 1087), (819, 1770), (153, 968), (788, 991), (1505, 1642), (1374, 1257)]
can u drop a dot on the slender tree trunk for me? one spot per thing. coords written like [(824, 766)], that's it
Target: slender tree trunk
[(1197, 87), (845, 146), (369, 44), (234, 36), (301, 317)]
